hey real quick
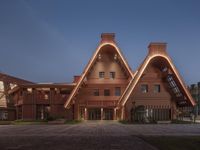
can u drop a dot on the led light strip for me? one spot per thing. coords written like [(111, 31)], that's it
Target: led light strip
[(148, 59), (89, 65)]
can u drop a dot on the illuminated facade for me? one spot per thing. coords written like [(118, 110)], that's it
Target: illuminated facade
[(7, 83), (109, 90)]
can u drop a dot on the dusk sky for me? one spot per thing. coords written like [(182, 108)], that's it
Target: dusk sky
[(52, 40)]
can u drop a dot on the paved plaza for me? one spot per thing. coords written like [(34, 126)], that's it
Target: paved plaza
[(89, 135)]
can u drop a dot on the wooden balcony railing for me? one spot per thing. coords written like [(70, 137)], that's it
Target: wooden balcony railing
[(102, 103)]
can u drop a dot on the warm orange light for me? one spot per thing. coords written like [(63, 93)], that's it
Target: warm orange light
[(89, 65), (149, 58)]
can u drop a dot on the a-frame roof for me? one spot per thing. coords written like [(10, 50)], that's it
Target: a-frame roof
[(106, 39), (155, 50)]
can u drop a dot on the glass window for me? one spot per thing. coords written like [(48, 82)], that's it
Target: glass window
[(46, 94), (96, 92), (1, 86), (144, 88), (3, 115), (156, 88), (106, 92), (12, 85), (29, 90), (112, 75), (101, 75), (117, 91)]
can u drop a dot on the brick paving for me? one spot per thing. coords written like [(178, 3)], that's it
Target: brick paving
[(91, 135)]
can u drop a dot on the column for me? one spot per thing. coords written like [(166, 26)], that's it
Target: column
[(115, 114), (101, 113), (85, 114), (122, 113)]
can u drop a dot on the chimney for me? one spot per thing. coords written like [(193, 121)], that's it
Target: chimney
[(157, 47), (108, 37), (76, 78)]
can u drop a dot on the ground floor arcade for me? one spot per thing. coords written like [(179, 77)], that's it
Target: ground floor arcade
[(97, 113), (140, 113)]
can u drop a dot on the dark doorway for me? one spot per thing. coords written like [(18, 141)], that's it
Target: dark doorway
[(94, 114), (138, 114), (108, 114), (42, 111)]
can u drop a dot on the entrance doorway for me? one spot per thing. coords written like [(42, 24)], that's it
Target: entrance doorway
[(108, 114), (94, 114)]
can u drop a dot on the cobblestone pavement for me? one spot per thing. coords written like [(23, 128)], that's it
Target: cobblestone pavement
[(91, 135)]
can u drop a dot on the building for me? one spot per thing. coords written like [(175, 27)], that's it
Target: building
[(7, 82), (195, 92), (109, 90)]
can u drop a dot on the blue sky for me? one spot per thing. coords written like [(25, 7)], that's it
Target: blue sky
[(52, 40)]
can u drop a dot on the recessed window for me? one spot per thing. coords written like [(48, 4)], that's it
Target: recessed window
[(64, 91), (46, 96), (117, 91), (106, 92), (99, 56), (1, 86), (156, 88), (29, 90), (112, 75), (101, 75), (144, 88), (96, 92)]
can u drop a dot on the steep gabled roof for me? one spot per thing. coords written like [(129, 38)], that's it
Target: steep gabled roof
[(12, 79), (155, 50), (106, 39), (7, 80)]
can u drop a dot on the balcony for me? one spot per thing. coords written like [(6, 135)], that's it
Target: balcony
[(102, 103)]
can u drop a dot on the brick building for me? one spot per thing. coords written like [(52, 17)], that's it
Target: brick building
[(7, 83), (108, 89), (195, 92)]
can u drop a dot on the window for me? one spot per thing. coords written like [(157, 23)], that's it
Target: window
[(144, 88), (156, 88), (101, 75), (112, 75), (1, 86), (117, 91), (42, 111), (106, 92), (46, 95), (64, 91), (3, 115), (12, 85), (29, 90), (96, 92)]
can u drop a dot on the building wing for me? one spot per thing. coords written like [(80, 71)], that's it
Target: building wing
[(158, 50), (107, 39)]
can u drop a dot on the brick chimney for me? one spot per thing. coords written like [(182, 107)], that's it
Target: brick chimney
[(76, 78), (108, 37), (157, 47)]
